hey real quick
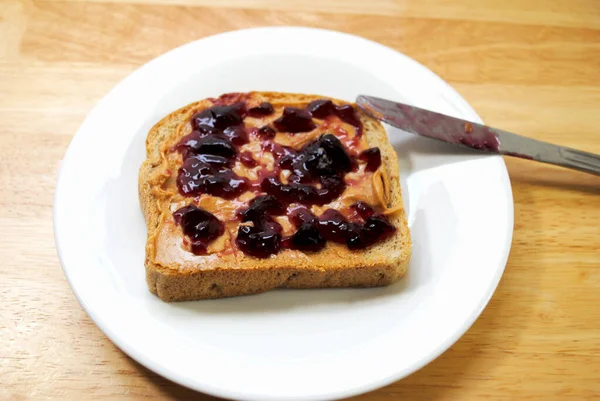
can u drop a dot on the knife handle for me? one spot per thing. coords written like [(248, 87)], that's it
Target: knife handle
[(527, 148), (576, 159)]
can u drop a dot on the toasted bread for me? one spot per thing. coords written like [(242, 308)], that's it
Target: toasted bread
[(235, 273)]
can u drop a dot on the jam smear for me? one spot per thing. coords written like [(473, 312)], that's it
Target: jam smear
[(294, 120), (230, 98), (200, 226)]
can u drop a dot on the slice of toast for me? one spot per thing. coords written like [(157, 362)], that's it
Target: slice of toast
[(176, 274)]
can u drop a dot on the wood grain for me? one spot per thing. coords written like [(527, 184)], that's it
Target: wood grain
[(528, 66)]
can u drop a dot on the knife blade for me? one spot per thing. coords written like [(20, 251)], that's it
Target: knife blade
[(475, 136)]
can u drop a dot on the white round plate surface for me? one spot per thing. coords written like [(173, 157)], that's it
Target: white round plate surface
[(284, 344)]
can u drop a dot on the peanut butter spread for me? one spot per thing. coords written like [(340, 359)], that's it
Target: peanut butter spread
[(170, 247)]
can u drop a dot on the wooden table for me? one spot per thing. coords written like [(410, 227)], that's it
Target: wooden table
[(529, 66)]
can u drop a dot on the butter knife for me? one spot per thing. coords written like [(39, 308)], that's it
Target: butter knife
[(476, 136)]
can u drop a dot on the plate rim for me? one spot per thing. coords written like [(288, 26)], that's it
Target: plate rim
[(148, 363)]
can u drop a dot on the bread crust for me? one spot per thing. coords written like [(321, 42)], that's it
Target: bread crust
[(334, 266)]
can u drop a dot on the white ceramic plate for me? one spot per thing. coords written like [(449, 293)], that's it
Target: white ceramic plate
[(284, 344)]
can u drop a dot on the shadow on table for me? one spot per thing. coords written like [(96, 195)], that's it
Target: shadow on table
[(169, 390)]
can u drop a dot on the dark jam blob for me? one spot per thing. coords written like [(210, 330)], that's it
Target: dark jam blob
[(331, 188), (313, 232), (236, 134), (259, 241), (219, 117), (378, 227), (263, 109), (375, 229), (312, 163), (290, 193), (307, 239), (333, 226), (324, 161), (189, 143), (363, 209), (301, 216), (247, 159), (336, 152), (324, 108), (200, 226), (263, 238), (198, 175), (324, 157), (214, 145), (373, 158), (214, 160), (208, 153), (266, 132), (347, 114), (198, 143), (294, 120), (279, 151), (321, 108), (226, 186), (355, 240), (262, 206), (286, 157)]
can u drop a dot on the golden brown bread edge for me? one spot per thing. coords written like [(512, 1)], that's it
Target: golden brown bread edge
[(334, 266)]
